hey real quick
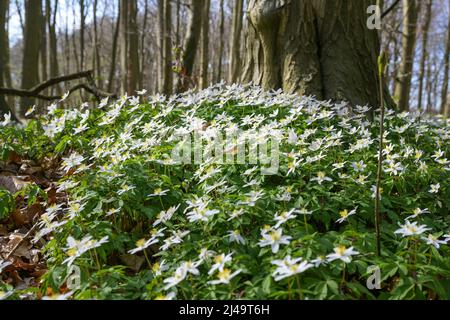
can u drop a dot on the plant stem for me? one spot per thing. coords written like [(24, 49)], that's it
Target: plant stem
[(299, 287)]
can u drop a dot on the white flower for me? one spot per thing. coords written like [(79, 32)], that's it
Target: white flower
[(205, 254), (434, 241), (158, 192), (178, 276), (143, 244), (321, 177), (225, 276), (73, 160), (75, 248), (65, 95), (417, 212), (289, 267), (434, 188), (394, 168), (219, 262), (30, 111), (235, 236), (159, 267), (359, 166), (165, 216), (319, 261), (284, 216), (235, 214), (274, 238), (342, 253), (4, 295), (411, 229), (202, 214), (7, 120), (345, 214), (191, 267), (125, 188), (141, 92)]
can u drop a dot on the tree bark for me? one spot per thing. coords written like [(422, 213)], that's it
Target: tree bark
[(190, 45), (236, 30), (161, 33), (97, 67), (82, 32), (129, 45), (53, 44), (204, 59), (425, 29), (445, 101), (4, 108), (313, 47), (31, 43), (404, 76), (167, 86), (112, 68), (218, 76)]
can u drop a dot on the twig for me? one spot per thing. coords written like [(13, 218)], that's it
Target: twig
[(382, 63), (21, 240)]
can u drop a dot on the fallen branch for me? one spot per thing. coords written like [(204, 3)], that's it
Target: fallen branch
[(35, 92)]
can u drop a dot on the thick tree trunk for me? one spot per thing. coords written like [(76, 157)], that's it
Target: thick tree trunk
[(31, 46), (190, 45), (445, 101), (204, 59), (236, 30), (403, 86), (423, 59), (313, 47), (129, 42), (167, 87)]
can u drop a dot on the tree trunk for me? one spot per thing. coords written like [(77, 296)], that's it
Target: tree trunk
[(129, 46), (53, 44), (4, 108), (403, 86), (44, 55), (82, 29), (204, 60), (97, 67), (321, 48), (31, 46), (218, 77), (144, 32), (425, 29), (167, 87), (112, 69), (445, 101), (190, 45), (236, 30)]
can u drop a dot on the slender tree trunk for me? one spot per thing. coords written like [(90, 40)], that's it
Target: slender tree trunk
[(143, 55), (4, 108), (31, 43), (43, 53), (112, 68), (161, 33), (218, 77), (178, 23), (425, 29), (97, 67), (204, 60), (53, 44), (167, 87), (190, 45), (445, 102), (403, 87), (82, 32), (319, 48), (236, 30)]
